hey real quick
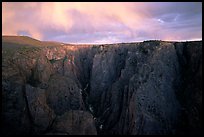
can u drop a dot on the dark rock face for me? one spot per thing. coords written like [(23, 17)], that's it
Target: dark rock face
[(41, 115), (147, 80), (107, 65), (15, 117), (190, 91), (148, 88), (75, 122), (63, 95)]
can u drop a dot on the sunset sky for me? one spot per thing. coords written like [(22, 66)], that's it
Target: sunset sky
[(102, 22)]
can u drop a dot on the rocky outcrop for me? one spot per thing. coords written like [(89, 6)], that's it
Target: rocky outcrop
[(42, 71), (153, 87)]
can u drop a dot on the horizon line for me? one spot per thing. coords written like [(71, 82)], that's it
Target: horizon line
[(98, 43)]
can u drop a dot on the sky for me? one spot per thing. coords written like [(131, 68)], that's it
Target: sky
[(103, 22)]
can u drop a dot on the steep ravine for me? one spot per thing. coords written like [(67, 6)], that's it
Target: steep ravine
[(152, 87)]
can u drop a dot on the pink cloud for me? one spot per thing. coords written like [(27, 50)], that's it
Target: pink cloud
[(120, 22)]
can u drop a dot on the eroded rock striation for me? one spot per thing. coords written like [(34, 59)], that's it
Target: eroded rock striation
[(147, 88)]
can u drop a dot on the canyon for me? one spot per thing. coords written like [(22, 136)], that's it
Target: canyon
[(142, 88)]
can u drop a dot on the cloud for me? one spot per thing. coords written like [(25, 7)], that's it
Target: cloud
[(95, 22), (18, 17)]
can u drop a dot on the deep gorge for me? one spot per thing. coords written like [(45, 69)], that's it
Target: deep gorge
[(151, 87)]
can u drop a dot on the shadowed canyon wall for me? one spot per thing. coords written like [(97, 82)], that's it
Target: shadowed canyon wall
[(152, 87)]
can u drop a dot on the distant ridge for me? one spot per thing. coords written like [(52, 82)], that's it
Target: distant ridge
[(28, 41), (24, 40)]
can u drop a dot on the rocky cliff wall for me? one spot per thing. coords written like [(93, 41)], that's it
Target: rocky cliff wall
[(153, 87)]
